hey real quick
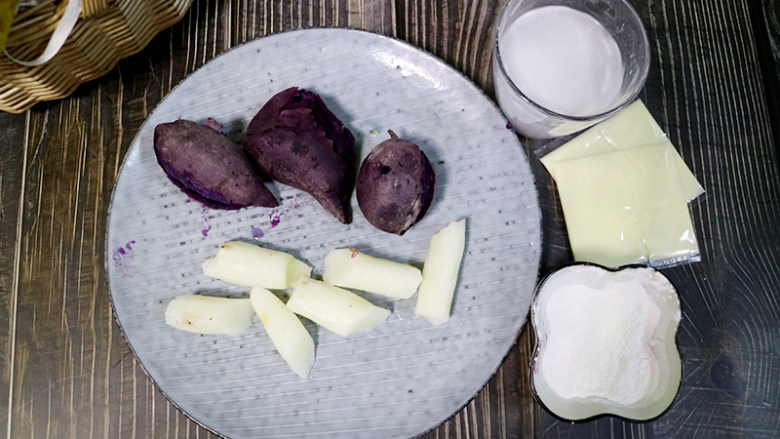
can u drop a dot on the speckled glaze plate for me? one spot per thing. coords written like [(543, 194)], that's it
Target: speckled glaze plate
[(406, 376)]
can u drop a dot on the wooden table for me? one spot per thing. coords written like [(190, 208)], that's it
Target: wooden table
[(66, 372)]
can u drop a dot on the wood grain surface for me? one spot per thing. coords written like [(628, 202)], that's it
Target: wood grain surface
[(66, 372)]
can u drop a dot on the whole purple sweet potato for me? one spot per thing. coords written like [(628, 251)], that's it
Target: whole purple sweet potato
[(395, 185), (208, 166), (297, 141)]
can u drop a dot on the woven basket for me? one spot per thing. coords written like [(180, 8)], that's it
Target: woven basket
[(106, 32)]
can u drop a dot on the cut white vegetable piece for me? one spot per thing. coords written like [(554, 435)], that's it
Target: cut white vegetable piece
[(253, 266), (350, 268), (285, 330), (334, 308), (208, 314), (440, 273)]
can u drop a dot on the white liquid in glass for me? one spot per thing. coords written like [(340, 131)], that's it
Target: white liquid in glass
[(564, 60)]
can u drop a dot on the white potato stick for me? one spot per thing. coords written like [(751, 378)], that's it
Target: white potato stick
[(249, 265), (334, 308), (209, 314), (350, 268), (440, 273), (285, 330)]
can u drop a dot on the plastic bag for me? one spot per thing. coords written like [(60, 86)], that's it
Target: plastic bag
[(624, 190)]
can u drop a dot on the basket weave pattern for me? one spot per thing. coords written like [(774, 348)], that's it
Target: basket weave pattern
[(106, 32)]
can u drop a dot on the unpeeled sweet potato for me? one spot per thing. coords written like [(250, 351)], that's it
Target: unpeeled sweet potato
[(208, 166), (395, 185), (296, 140)]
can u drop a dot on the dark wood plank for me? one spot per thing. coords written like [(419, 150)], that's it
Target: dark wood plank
[(765, 20), (13, 155)]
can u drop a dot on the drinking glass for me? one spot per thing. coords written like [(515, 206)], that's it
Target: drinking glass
[(533, 120)]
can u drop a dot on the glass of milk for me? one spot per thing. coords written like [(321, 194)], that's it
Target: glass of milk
[(560, 66)]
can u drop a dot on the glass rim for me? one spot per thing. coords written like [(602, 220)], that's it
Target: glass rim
[(613, 109)]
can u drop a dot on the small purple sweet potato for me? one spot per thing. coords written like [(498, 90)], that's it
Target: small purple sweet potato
[(395, 185), (297, 141), (208, 166)]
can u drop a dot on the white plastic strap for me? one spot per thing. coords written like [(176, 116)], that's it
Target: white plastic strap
[(58, 37)]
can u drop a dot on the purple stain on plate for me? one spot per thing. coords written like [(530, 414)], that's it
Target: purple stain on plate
[(509, 126), (123, 259), (257, 232), (277, 214), (206, 227)]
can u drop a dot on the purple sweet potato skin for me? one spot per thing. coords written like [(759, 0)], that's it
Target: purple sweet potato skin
[(296, 140), (208, 166), (395, 185)]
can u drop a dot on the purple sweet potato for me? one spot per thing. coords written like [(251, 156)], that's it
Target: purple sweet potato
[(208, 166), (297, 141), (395, 185)]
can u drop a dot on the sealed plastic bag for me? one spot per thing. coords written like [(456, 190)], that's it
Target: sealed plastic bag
[(624, 190)]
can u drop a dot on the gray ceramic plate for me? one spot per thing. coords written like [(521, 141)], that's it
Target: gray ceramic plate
[(406, 376)]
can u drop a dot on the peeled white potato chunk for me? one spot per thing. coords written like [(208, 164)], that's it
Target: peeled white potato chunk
[(249, 265), (208, 314), (440, 273), (334, 308), (285, 330), (350, 268)]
